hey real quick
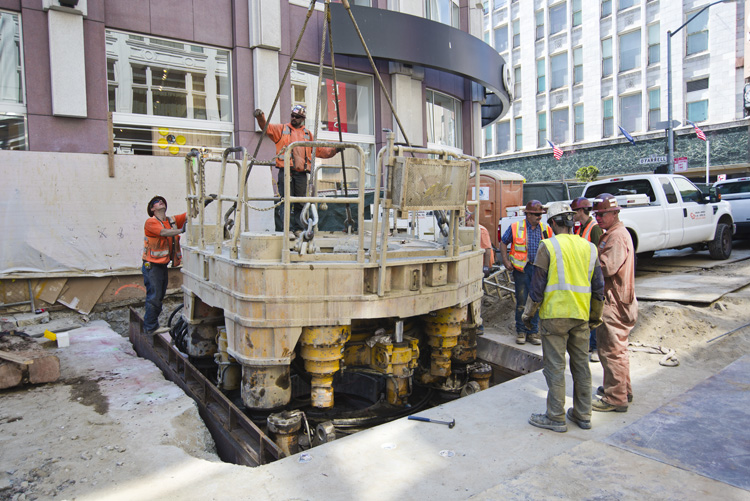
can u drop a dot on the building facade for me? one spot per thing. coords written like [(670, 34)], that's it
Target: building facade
[(587, 70), (100, 100)]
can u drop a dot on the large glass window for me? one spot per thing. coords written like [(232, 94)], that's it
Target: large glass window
[(502, 142), (355, 107), (168, 96), (557, 18), (606, 57), (517, 82), (488, 141), (578, 117), (560, 126), (443, 11), (654, 45), (577, 65), (539, 24), (443, 120), (541, 135), (12, 95), (630, 112), (516, 33), (697, 33), (501, 38), (630, 50), (518, 126), (541, 84), (577, 13), (608, 118), (559, 71), (654, 108), (697, 111), (626, 4), (606, 8)]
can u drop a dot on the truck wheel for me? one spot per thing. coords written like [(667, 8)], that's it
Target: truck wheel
[(721, 246)]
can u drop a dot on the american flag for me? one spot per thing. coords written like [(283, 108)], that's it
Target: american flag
[(698, 131), (557, 152)]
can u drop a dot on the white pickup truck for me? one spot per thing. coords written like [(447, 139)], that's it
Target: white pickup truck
[(737, 193), (677, 214)]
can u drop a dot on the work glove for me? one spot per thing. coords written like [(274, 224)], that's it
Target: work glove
[(529, 311), (258, 113), (595, 314), (486, 270)]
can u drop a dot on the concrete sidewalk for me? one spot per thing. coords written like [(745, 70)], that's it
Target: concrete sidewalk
[(491, 453)]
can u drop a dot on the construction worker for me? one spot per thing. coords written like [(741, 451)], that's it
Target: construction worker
[(617, 258), (567, 291), (588, 229), (283, 135), (161, 244), (484, 242), (523, 238)]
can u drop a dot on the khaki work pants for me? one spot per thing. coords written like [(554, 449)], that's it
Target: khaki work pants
[(572, 335), (612, 343)]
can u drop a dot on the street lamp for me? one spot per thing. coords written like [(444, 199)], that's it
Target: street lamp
[(670, 126)]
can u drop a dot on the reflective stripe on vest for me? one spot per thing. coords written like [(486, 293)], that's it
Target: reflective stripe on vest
[(571, 266), (161, 250), (586, 232), (518, 252)]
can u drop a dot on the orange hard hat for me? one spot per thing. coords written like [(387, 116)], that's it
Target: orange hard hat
[(606, 202)]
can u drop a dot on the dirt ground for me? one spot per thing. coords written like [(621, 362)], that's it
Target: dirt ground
[(52, 456)]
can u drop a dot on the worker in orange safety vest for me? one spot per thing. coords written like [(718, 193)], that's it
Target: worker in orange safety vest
[(524, 238)]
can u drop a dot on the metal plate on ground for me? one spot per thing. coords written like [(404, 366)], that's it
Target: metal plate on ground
[(704, 430), (686, 288)]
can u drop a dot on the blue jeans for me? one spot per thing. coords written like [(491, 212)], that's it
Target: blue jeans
[(523, 284), (155, 280)]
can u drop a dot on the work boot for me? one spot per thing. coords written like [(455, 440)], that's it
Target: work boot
[(520, 338), (594, 356), (535, 339), (601, 405), (542, 421), (584, 424), (600, 392)]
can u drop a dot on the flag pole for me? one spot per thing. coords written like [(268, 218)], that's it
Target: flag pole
[(708, 158)]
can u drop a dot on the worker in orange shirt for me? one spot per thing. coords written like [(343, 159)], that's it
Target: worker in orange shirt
[(283, 135)]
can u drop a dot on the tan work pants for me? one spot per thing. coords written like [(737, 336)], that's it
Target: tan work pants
[(612, 343)]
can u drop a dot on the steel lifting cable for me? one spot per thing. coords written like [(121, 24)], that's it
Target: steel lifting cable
[(281, 86), (349, 219)]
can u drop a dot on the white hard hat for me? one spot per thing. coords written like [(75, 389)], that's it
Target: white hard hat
[(558, 208)]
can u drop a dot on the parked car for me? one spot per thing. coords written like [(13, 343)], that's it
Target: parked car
[(677, 214), (737, 193)]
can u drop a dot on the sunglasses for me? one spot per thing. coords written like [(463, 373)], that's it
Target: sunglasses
[(297, 116)]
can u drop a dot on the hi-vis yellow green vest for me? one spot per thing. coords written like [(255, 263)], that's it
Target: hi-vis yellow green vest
[(518, 249), (571, 266)]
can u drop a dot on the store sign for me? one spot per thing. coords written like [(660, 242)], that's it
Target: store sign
[(653, 159)]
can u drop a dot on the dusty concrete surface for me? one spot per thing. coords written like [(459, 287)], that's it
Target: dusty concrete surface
[(113, 428)]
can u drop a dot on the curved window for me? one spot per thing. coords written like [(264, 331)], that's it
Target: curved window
[(444, 123)]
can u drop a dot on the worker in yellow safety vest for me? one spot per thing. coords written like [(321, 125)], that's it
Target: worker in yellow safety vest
[(568, 293), (589, 229), (523, 238)]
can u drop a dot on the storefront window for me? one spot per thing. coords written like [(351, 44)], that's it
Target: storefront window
[(168, 96)]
